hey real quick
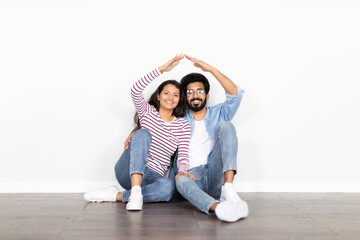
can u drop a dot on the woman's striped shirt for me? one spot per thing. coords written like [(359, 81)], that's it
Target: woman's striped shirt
[(166, 137)]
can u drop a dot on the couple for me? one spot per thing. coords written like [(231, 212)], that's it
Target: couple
[(200, 143)]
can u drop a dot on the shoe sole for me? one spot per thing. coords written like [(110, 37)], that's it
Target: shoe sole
[(133, 208)]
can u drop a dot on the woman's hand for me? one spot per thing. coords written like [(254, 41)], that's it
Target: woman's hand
[(200, 64), (186, 174), (171, 63)]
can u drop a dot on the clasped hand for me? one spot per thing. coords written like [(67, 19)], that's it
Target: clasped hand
[(185, 174), (176, 60)]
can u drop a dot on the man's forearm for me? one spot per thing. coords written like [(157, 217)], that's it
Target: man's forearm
[(225, 82)]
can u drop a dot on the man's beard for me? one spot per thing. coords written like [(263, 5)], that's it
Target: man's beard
[(197, 107)]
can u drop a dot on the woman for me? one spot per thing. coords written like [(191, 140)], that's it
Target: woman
[(142, 167)]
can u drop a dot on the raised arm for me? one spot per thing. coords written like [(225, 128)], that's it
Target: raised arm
[(137, 89), (225, 82), (171, 63)]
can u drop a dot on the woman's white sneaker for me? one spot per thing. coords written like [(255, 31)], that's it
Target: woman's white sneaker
[(102, 195), (135, 200)]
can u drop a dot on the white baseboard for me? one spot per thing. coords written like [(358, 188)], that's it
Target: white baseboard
[(52, 187), (80, 187), (297, 186)]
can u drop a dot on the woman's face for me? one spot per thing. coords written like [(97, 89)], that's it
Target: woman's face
[(169, 97)]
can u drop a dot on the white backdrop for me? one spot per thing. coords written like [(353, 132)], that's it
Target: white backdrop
[(66, 68)]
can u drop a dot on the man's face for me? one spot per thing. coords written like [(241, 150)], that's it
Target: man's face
[(195, 96)]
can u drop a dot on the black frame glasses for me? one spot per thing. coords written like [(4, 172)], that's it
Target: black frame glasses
[(191, 92)]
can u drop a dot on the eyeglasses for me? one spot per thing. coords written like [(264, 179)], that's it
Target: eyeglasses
[(191, 92)]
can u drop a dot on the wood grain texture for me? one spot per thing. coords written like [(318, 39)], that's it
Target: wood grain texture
[(293, 216)]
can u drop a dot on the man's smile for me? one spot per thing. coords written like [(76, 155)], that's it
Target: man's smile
[(196, 101)]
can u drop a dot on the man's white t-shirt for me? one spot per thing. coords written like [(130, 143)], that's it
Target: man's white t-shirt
[(200, 145)]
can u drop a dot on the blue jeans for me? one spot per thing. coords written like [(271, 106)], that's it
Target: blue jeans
[(155, 188), (210, 177)]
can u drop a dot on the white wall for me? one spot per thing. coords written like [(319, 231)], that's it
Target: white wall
[(66, 68)]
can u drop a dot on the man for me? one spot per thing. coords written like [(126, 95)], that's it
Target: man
[(213, 146)]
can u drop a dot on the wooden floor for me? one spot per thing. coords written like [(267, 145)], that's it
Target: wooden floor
[(272, 216)]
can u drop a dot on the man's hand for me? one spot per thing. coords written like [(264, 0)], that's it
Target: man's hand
[(225, 82), (200, 64), (186, 174), (128, 139), (171, 63)]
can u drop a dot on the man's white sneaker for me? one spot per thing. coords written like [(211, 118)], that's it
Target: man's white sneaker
[(228, 193), (102, 195), (231, 212), (135, 200)]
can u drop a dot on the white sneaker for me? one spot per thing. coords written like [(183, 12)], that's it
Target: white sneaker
[(230, 212), (228, 193), (102, 195), (135, 200)]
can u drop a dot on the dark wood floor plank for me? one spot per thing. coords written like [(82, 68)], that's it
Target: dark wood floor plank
[(281, 216)]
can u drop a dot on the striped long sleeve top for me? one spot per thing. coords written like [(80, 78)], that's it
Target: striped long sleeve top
[(166, 137)]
